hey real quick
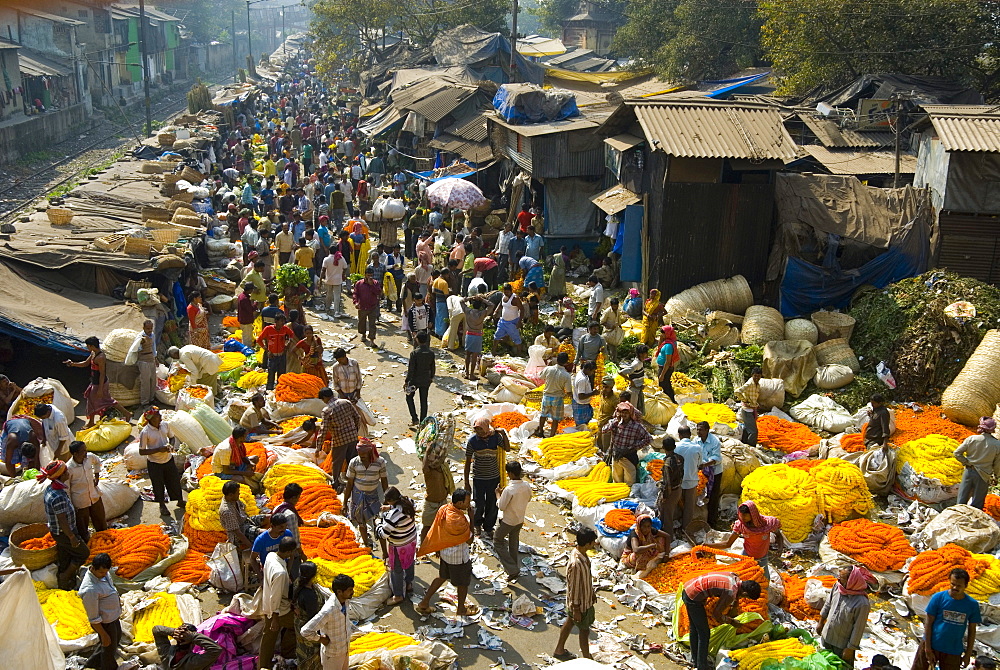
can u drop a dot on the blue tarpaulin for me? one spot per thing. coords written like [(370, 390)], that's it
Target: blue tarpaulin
[(427, 175), (523, 103), (629, 244)]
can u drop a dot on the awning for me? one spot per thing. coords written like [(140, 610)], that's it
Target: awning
[(615, 199), (33, 64), (594, 77), (623, 142), (57, 317), (381, 122)]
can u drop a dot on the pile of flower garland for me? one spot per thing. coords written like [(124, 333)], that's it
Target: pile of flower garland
[(752, 658), (132, 549), (286, 473), (841, 490), (787, 493), (877, 546), (619, 519), (785, 436), (508, 420), (566, 448), (929, 570), (713, 413), (932, 456), (65, 611), (297, 386), (852, 443), (203, 504), (192, 569), (163, 612), (336, 543), (252, 379), (365, 570), (594, 488), (316, 499), (912, 425), (795, 596), (372, 641)]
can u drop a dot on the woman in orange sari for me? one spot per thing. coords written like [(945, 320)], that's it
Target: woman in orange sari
[(652, 317), (310, 354), (198, 322)]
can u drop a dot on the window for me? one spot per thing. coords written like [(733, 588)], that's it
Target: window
[(82, 13)]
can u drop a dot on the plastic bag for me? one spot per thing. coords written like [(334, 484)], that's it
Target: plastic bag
[(224, 565), (31, 641), (883, 372), (216, 428), (815, 594), (41, 386), (105, 435), (133, 459), (187, 429), (536, 362), (186, 401), (366, 414)]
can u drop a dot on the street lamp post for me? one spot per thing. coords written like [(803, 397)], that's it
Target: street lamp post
[(249, 43)]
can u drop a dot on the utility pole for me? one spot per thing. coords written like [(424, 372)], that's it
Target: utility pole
[(513, 41), (899, 131), (249, 43), (284, 47), (145, 66), (236, 62)]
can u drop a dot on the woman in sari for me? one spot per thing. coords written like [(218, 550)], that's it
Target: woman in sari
[(557, 280), (645, 547), (652, 317), (359, 248), (309, 351), (306, 602), (756, 530), (667, 356), (198, 322), (533, 273), (98, 393)]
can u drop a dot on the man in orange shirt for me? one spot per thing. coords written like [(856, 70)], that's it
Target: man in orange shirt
[(275, 339)]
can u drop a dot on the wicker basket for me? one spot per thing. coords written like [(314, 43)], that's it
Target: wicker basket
[(151, 167), (59, 216), (838, 352), (191, 175), (730, 295), (762, 325), (721, 334), (33, 559), (137, 246), (833, 325), (166, 139), (165, 235), (132, 288), (185, 197), (151, 213), (126, 396), (117, 343), (976, 390), (735, 319), (110, 243), (219, 306), (801, 329)]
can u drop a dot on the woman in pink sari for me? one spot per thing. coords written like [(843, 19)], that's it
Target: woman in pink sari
[(98, 393), (198, 322)]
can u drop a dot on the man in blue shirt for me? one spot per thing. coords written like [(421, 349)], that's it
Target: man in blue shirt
[(533, 244), (712, 463), (691, 451), (267, 196), (268, 542), (950, 621)]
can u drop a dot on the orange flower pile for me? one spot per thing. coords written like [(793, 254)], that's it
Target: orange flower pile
[(198, 391), (202, 541), (929, 570), (702, 482), (852, 443), (316, 499), (193, 569), (132, 549), (336, 543), (619, 519), (795, 591), (231, 323), (655, 469), (39, 543), (877, 546), (296, 386), (805, 464), (785, 436), (508, 420), (564, 424), (992, 506), (27, 405), (912, 425), (253, 449)]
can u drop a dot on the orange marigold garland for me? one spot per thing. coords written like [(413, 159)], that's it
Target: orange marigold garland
[(202, 541), (39, 543), (296, 386), (785, 436), (619, 519), (929, 570), (655, 469), (852, 443), (877, 546), (746, 568), (795, 591), (336, 543), (316, 499), (912, 425), (133, 549), (804, 463), (253, 449), (992, 506), (508, 420), (193, 569)]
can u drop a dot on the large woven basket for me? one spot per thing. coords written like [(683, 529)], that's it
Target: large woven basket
[(185, 197), (837, 352), (165, 235), (976, 390), (761, 325), (735, 319), (149, 212), (801, 329), (191, 175), (729, 295), (33, 559), (59, 216), (151, 167), (721, 334), (126, 396), (139, 246), (833, 325), (117, 343), (110, 243)]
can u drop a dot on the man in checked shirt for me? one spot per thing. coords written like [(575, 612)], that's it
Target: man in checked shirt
[(340, 430)]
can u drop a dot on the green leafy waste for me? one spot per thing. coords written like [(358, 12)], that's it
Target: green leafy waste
[(905, 325), (288, 275)]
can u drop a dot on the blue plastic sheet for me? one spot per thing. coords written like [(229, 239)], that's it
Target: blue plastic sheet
[(629, 244), (518, 106)]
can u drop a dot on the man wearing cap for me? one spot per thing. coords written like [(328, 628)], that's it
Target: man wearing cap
[(980, 454), (60, 515)]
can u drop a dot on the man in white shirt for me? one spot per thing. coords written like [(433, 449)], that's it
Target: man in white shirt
[(583, 391), (332, 625), (513, 503), (502, 249), (83, 471), (57, 435), (596, 298), (276, 606), (334, 270), (690, 451), (558, 382)]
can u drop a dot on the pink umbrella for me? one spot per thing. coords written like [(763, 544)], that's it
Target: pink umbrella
[(455, 193)]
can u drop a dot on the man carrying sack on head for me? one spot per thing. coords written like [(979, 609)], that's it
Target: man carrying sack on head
[(449, 538)]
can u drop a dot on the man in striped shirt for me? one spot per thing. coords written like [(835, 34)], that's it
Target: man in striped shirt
[(728, 588), (580, 596)]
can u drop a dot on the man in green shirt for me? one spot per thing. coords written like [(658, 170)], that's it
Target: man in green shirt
[(255, 277)]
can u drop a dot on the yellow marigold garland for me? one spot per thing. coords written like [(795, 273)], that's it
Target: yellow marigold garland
[(203, 503), (65, 610), (841, 490), (372, 641), (786, 493), (932, 457), (163, 612)]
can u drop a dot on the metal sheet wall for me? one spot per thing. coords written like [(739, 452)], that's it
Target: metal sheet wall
[(970, 245), (709, 231)]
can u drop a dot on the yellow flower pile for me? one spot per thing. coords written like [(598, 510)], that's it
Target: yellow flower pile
[(365, 570), (252, 379), (988, 583), (841, 490), (177, 380), (753, 657), (787, 493), (65, 610), (286, 473), (231, 360), (594, 488), (712, 412), (565, 448), (372, 641), (932, 457), (203, 504), (163, 612), (684, 384)]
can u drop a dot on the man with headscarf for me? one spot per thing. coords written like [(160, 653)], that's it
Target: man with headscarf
[(844, 617), (449, 538), (364, 474), (628, 436), (60, 516), (980, 454), (439, 483)]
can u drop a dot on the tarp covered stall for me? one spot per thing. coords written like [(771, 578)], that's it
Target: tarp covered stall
[(524, 103), (835, 234), (57, 317), (472, 47), (568, 210)]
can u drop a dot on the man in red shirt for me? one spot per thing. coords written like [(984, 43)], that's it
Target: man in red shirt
[(728, 588), (275, 339), (367, 294), (488, 269), (524, 218)]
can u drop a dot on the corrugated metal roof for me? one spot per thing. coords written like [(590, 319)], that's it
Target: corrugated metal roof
[(845, 162), (965, 110), (34, 64), (381, 122), (533, 129), (832, 135), (55, 18), (615, 199), (968, 133), (623, 142), (719, 130), (477, 152), (440, 104), (418, 90), (470, 128)]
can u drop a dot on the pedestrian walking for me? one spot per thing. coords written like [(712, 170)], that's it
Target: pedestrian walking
[(485, 454), (449, 538), (397, 534), (512, 502), (580, 596), (420, 370)]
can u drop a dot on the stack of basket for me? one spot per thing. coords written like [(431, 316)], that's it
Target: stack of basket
[(762, 325), (833, 325), (837, 352), (729, 295), (975, 392)]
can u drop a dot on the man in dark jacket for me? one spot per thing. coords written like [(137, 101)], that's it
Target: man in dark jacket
[(419, 375), (179, 653)]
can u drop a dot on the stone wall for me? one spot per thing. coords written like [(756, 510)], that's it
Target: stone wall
[(40, 132)]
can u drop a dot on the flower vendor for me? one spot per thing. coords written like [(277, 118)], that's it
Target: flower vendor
[(645, 547), (845, 615), (628, 436), (485, 455), (671, 479), (154, 444), (728, 588), (230, 460), (755, 529), (365, 473), (980, 454), (341, 423), (690, 451), (256, 419), (276, 604), (749, 395), (84, 473), (104, 609), (175, 647), (60, 516), (711, 454)]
